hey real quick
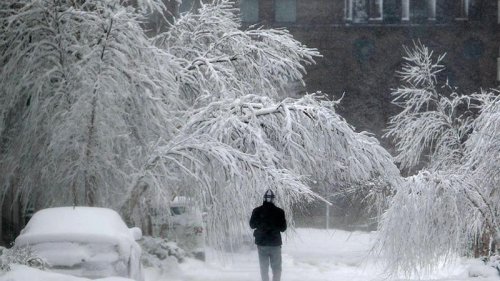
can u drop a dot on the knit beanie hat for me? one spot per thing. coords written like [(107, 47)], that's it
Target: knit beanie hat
[(269, 196)]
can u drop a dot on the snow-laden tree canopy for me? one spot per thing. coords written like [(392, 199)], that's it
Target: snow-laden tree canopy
[(94, 112), (454, 200)]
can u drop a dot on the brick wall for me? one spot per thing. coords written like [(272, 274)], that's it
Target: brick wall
[(360, 59)]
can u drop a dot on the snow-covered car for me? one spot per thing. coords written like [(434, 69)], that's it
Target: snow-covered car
[(187, 226), (85, 242)]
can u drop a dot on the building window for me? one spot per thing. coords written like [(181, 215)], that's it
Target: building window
[(392, 13), (431, 10), (470, 9), (348, 10), (475, 9), (376, 9), (445, 10), (363, 10), (359, 11), (418, 10), (249, 10), (463, 9), (405, 10), (285, 10)]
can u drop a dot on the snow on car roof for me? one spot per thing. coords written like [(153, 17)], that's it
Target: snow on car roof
[(78, 224)]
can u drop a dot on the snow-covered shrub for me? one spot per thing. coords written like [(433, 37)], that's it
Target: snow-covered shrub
[(487, 267), (494, 261), (20, 255), (161, 254), (425, 221)]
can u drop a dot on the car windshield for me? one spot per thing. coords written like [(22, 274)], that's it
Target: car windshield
[(89, 260), (178, 210)]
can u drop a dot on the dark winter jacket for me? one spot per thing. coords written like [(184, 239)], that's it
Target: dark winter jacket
[(268, 220)]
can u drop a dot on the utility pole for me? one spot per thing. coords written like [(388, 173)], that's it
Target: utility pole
[(327, 215)]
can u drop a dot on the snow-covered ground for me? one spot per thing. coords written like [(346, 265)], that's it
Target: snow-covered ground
[(308, 255), (314, 255), (24, 273)]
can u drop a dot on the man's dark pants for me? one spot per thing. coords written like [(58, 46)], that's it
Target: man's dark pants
[(270, 255)]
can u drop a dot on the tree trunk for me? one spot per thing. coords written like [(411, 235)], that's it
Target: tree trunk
[(90, 188), (90, 180), (132, 201), (484, 245)]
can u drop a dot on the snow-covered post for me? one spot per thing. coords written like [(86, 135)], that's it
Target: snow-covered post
[(327, 206)]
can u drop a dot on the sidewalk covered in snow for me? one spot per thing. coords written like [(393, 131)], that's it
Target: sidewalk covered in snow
[(317, 255)]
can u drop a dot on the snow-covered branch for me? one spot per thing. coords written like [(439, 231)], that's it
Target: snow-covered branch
[(300, 134), (221, 60), (445, 208), (92, 111), (426, 221), (430, 121)]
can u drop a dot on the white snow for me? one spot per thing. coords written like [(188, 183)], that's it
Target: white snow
[(308, 255), (76, 252), (100, 226), (24, 273), (477, 269), (314, 255), (83, 224), (83, 241)]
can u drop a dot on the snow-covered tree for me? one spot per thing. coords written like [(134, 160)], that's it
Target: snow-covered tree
[(94, 112), (76, 79), (482, 163), (453, 200)]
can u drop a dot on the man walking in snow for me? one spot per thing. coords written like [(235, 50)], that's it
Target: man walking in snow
[(268, 220)]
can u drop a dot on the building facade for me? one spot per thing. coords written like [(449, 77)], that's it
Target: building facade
[(362, 46), (361, 43)]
